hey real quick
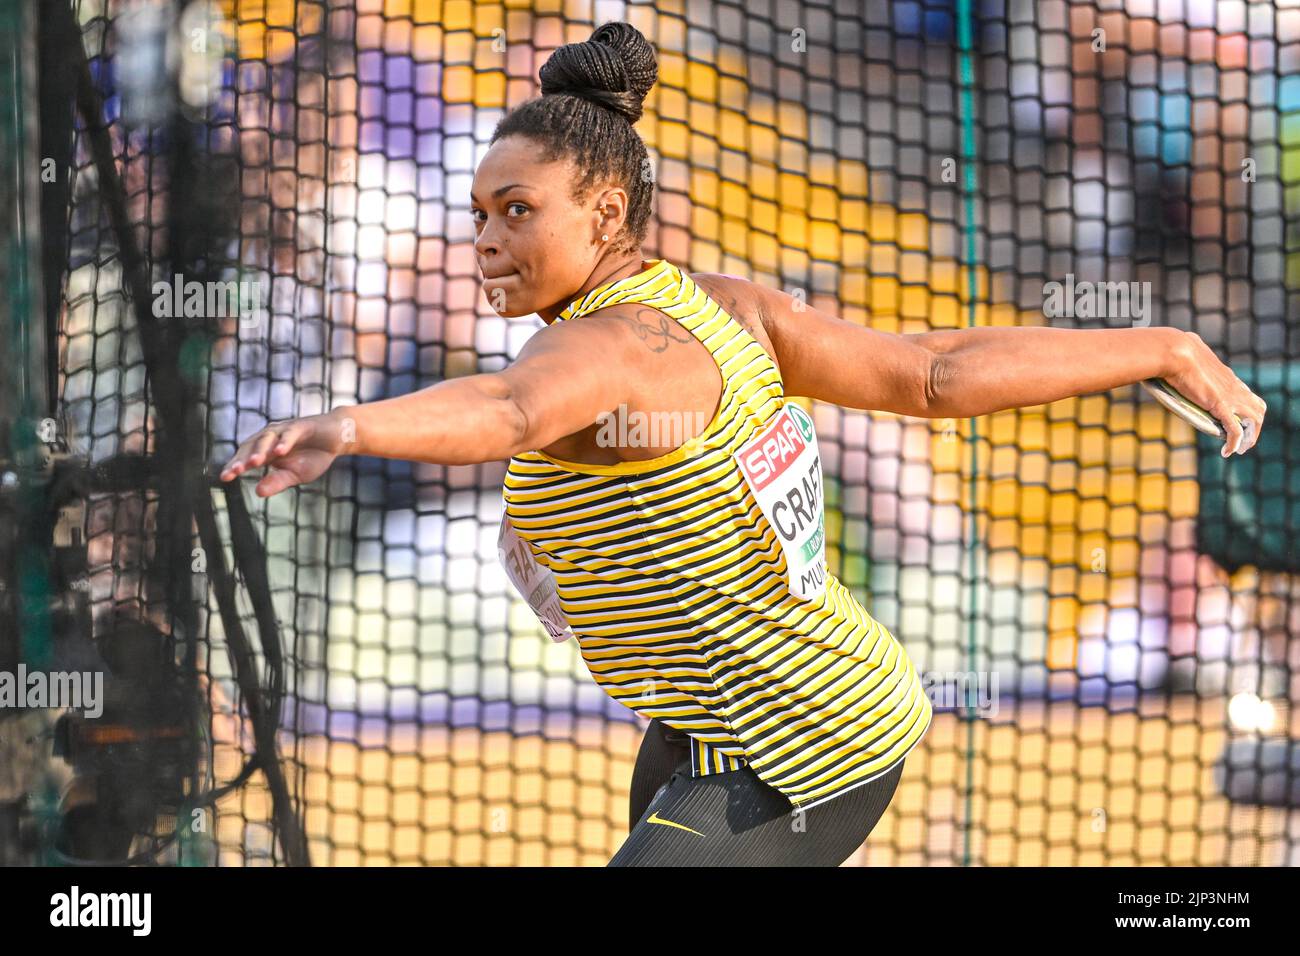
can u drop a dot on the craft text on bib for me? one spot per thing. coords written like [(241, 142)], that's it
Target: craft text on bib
[(782, 467)]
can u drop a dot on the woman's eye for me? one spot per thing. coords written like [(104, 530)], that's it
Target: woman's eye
[(480, 217)]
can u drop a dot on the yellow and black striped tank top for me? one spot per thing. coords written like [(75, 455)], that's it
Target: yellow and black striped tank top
[(695, 583)]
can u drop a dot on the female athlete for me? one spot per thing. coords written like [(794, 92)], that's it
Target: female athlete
[(692, 571)]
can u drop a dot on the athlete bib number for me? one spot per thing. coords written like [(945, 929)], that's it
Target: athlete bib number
[(783, 470), (534, 583)]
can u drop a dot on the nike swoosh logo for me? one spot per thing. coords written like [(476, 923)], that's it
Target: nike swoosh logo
[(654, 818)]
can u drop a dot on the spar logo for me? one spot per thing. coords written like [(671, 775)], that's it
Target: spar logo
[(803, 421), (767, 456)]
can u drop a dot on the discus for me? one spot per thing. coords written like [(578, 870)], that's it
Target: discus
[(1194, 414)]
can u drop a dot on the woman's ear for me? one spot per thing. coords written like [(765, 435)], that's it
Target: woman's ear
[(611, 206)]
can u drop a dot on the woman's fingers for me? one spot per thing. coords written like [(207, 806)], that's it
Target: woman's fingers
[(1210, 383), (239, 461), (1254, 418), (275, 482), (264, 446), (1231, 425), (287, 449), (243, 459), (1251, 428), (290, 435), (251, 453), (1242, 417)]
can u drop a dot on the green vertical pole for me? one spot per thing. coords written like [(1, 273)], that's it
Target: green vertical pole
[(22, 352), (969, 253), (23, 399)]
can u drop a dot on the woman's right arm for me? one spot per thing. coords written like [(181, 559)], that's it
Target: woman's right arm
[(565, 377)]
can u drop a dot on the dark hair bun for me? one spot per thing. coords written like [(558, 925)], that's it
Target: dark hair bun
[(614, 69)]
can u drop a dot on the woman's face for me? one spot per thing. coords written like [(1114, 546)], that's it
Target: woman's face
[(536, 247)]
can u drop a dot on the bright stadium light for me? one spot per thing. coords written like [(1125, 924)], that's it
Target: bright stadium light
[(1250, 714)]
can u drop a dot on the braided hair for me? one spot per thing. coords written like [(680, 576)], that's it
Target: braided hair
[(591, 96)]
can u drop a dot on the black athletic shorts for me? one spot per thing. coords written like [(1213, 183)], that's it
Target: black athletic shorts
[(734, 818)]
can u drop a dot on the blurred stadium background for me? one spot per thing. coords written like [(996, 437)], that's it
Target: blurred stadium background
[(342, 673)]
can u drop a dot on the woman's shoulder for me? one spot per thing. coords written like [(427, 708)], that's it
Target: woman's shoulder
[(742, 300)]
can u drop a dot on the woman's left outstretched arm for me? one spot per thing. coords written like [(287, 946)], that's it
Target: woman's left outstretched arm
[(988, 369)]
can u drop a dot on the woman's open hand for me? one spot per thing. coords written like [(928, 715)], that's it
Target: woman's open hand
[(295, 451), (1205, 380)]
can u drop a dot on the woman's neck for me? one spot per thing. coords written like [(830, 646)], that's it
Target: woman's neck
[(613, 271)]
